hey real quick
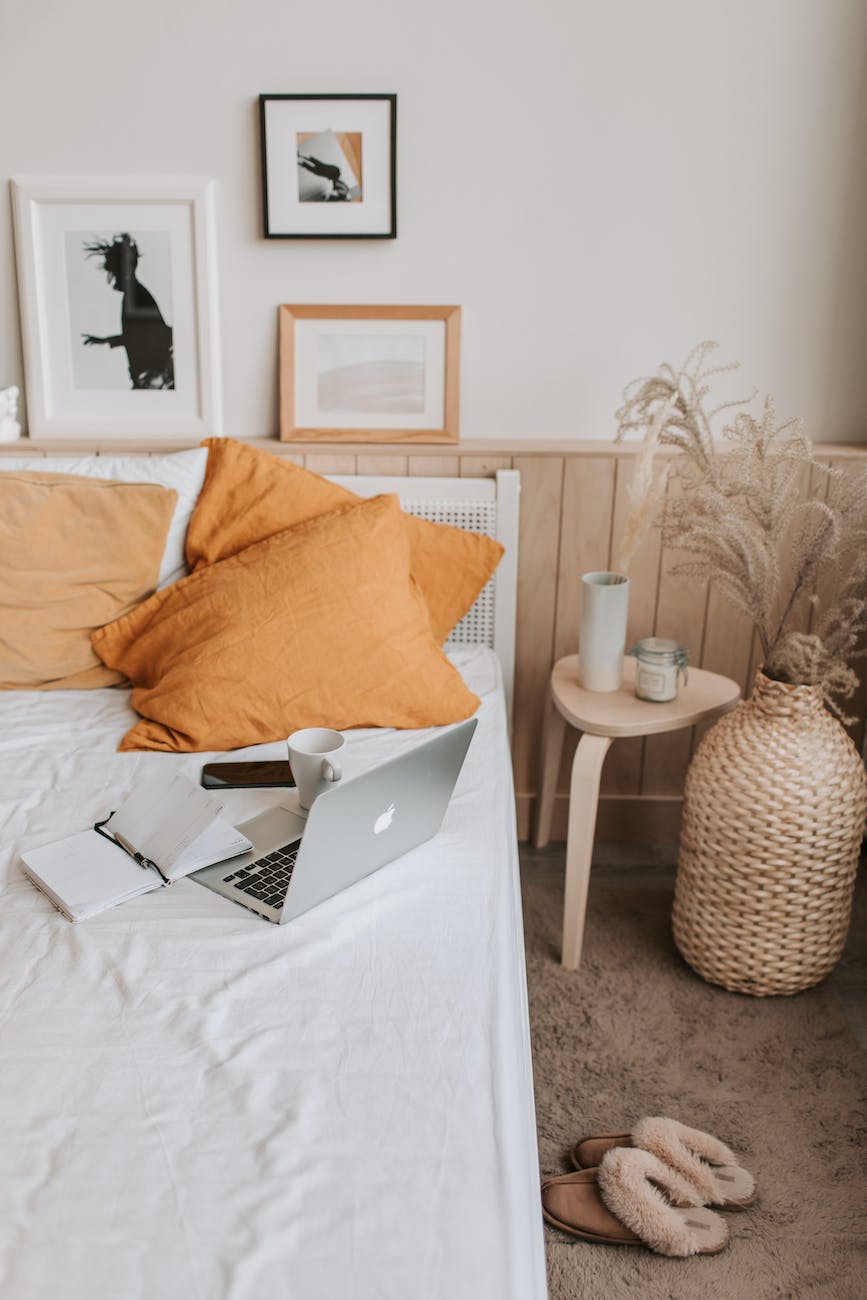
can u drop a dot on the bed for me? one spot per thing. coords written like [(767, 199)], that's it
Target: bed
[(199, 1104)]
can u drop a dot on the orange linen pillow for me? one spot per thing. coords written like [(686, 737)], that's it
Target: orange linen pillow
[(75, 552), (320, 625), (249, 494)]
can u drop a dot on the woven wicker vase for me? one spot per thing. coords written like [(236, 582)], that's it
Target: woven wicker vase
[(773, 816)]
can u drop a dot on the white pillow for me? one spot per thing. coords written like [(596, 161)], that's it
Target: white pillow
[(182, 470)]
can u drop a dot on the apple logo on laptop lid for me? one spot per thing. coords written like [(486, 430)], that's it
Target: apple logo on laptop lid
[(384, 820)]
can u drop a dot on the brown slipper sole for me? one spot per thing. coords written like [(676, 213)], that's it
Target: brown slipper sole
[(631, 1201), (574, 1204)]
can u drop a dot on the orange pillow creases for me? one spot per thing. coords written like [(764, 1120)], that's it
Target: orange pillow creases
[(75, 552), (321, 624), (250, 494)]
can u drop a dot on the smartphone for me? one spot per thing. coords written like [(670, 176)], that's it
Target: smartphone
[(232, 776)]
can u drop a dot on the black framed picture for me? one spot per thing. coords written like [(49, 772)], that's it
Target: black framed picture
[(329, 166)]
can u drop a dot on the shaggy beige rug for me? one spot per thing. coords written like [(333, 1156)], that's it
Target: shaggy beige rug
[(780, 1080)]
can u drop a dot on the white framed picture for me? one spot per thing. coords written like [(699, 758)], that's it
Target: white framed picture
[(119, 313), (369, 374), (329, 166)]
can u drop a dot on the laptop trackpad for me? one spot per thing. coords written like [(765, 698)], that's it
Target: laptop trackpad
[(272, 829)]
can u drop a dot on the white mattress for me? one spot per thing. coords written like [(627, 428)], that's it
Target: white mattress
[(198, 1104)]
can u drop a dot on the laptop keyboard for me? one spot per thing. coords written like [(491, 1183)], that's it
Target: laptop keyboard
[(267, 878)]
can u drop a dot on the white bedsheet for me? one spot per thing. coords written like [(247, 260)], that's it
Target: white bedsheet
[(198, 1104)]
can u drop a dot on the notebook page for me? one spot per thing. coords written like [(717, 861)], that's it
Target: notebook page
[(85, 874), (164, 815), (218, 841)]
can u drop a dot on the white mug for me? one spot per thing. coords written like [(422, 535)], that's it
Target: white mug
[(314, 766)]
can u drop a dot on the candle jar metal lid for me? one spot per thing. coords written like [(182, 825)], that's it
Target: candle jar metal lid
[(660, 662)]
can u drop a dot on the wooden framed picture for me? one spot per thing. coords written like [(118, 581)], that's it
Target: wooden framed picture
[(369, 374), (329, 166), (120, 325)]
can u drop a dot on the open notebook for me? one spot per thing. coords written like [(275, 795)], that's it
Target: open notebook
[(168, 828)]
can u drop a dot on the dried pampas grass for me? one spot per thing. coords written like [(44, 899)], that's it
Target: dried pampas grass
[(742, 519)]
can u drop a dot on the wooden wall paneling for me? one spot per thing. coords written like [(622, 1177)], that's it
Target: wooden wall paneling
[(757, 657), (384, 465), (330, 462), (585, 539), (813, 484), (483, 466), (435, 466), (855, 705), (819, 488), (639, 820), (585, 546), (811, 606), (681, 613), (541, 497), (800, 615), (621, 774), (731, 647), (727, 646), (285, 450), (727, 642)]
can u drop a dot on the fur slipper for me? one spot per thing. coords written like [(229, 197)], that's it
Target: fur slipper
[(708, 1163), (621, 1204)]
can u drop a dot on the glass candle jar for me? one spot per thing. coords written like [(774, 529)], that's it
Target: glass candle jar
[(659, 663)]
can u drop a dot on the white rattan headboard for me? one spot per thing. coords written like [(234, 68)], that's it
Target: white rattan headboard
[(480, 505)]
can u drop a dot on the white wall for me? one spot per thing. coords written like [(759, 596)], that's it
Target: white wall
[(599, 183)]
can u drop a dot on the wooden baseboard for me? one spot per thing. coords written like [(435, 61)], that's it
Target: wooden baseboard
[(625, 819)]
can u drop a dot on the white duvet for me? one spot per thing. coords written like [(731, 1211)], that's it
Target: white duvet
[(198, 1104)]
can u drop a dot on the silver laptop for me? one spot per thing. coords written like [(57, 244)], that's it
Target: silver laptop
[(352, 829)]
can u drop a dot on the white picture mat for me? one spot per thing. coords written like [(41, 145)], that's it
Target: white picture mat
[(183, 207), (284, 120), (307, 335)]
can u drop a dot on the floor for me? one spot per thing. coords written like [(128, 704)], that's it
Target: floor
[(655, 867), (636, 1032)]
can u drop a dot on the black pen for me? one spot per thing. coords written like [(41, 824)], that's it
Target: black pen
[(139, 857)]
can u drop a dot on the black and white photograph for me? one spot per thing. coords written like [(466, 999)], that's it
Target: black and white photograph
[(329, 166), (120, 308), (118, 288)]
